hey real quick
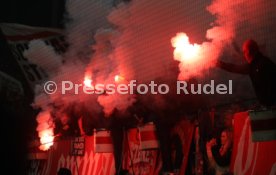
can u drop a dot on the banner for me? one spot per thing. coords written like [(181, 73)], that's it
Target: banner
[(103, 141), (18, 36), (248, 157), (59, 156), (136, 160), (78, 146)]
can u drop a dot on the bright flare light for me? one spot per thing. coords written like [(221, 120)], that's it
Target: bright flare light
[(87, 82), (184, 51), (45, 129), (118, 78), (46, 139)]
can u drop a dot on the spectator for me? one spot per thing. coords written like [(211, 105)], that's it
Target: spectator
[(219, 154), (64, 171)]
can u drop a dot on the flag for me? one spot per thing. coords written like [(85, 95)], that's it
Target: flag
[(148, 137), (263, 125), (103, 141), (250, 157)]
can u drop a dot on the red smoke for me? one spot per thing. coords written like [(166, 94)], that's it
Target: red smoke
[(137, 46)]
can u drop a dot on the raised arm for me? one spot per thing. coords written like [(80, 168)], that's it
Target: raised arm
[(240, 69)]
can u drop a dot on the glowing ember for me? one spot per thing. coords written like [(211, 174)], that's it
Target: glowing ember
[(118, 78), (184, 51), (87, 82), (46, 139)]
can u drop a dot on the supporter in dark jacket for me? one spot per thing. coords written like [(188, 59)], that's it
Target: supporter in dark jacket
[(261, 69)]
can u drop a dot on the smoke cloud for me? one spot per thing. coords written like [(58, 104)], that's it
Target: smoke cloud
[(235, 22), (133, 41)]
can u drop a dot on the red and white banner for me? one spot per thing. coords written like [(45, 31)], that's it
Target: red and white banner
[(103, 141), (248, 157), (59, 156), (137, 161), (148, 138)]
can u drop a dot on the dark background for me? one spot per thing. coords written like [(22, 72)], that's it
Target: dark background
[(17, 117), (45, 13)]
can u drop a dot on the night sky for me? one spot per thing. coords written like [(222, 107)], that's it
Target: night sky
[(46, 13)]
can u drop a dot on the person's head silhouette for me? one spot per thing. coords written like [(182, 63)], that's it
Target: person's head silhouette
[(250, 49), (64, 171)]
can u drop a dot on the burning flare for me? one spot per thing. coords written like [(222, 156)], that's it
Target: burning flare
[(46, 139), (192, 61), (45, 130), (184, 51), (87, 81), (118, 78)]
